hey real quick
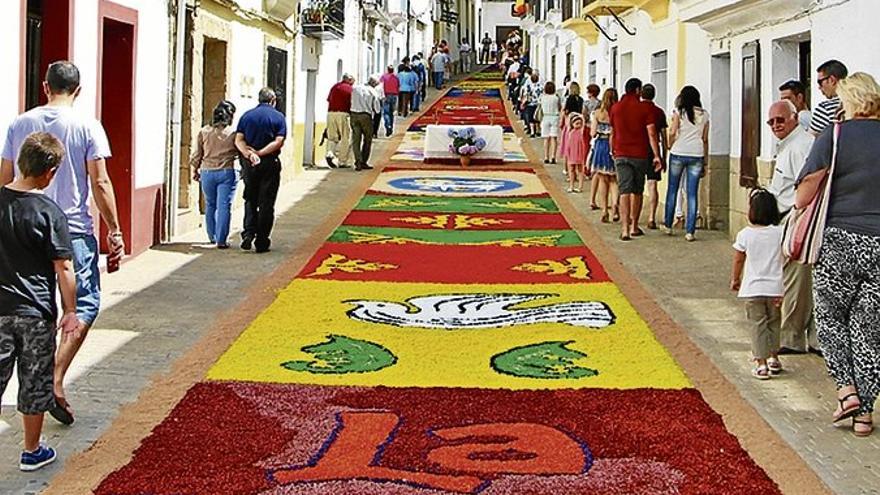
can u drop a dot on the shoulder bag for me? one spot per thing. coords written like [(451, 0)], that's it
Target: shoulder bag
[(804, 227)]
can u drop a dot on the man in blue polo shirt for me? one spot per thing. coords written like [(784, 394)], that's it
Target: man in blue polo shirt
[(259, 137)]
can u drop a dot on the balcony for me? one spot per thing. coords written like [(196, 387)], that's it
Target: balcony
[(324, 20), (587, 25), (658, 10)]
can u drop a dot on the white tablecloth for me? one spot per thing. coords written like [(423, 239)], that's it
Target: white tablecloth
[(437, 141)]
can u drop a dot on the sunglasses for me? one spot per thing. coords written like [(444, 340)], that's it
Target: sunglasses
[(822, 80), (776, 121)]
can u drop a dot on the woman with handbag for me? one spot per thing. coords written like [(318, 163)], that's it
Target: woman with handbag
[(846, 283)]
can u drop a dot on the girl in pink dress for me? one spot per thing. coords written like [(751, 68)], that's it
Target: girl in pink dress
[(576, 149)]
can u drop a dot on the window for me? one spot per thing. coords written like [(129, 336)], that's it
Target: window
[(659, 75), (591, 68), (569, 62)]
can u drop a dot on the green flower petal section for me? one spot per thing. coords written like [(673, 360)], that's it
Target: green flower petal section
[(340, 355), (547, 360)]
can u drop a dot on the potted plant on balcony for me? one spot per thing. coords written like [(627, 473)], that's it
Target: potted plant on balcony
[(318, 11), (465, 143)]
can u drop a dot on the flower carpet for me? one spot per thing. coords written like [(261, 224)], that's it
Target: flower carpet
[(472, 101), (453, 335)]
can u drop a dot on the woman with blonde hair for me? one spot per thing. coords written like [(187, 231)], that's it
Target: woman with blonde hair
[(604, 176), (846, 279)]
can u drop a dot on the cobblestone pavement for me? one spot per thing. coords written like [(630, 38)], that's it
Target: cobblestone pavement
[(690, 282)]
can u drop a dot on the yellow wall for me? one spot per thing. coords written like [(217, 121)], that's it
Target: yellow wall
[(298, 136)]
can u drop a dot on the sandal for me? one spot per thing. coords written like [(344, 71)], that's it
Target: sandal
[(637, 233), (61, 411), (604, 218), (846, 412), (652, 225), (774, 365), (616, 217), (594, 206), (863, 431), (625, 237), (761, 372)]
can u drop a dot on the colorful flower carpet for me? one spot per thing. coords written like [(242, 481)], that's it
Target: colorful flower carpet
[(453, 335), (470, 102)]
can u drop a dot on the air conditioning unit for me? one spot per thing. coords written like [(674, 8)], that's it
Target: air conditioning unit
[(280, 9)]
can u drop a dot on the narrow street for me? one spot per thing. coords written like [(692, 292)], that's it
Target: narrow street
[(173, 312)]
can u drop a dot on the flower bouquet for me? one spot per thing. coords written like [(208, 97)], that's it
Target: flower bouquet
[(465, 143)]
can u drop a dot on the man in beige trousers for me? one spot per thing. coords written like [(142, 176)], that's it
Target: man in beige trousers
[(798, 332), (339, 123)]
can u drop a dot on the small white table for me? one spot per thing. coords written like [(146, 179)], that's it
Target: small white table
[(437, 142)]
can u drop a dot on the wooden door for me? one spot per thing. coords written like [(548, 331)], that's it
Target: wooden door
[(276, 77), (751, 114)]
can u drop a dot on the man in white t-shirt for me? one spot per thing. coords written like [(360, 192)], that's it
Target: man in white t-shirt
[(464, 53), (798, 331)]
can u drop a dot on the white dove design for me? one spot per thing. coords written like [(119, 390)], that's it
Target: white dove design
[(466, 311)]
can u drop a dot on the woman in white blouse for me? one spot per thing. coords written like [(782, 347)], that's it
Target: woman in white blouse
[(689, 148), (550, 105)]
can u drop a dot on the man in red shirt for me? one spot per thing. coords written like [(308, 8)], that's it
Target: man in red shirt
[(633, 138), (391, 86), (653, 176), (338, 126)]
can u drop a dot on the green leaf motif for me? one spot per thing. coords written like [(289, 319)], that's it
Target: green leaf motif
[(340, 355), (545, 360)]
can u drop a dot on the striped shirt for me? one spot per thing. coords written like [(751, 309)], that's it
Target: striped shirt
[(825, 114)]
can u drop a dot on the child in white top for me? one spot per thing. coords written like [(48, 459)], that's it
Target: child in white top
[(758, 248)]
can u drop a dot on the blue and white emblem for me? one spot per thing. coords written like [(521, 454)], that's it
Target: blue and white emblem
[(459, 185)]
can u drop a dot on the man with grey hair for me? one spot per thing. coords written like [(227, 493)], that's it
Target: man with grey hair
[(338, 126), (798, 333), (259, 137), (364, 104)]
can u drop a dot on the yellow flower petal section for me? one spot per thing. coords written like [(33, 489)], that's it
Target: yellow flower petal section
[(625, 354)]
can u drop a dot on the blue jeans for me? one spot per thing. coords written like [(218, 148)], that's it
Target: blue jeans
[(388, 108), (677, 166), (438, 79), (219, 188), (88, 277), (416, 101)]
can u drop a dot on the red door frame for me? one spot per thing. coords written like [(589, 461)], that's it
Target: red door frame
[(22, 39), (116, 12)]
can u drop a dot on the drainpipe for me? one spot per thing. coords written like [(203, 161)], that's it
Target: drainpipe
[(177, 118)]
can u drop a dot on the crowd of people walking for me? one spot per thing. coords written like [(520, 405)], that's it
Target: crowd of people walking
[(625, 144)]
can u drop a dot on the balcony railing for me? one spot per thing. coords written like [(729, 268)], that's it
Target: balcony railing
[(324, 20)]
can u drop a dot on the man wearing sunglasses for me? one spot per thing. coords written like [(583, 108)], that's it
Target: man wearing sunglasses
[(798, 332), (827, 112)]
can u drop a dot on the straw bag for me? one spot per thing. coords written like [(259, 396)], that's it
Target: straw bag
[(804, 227)]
